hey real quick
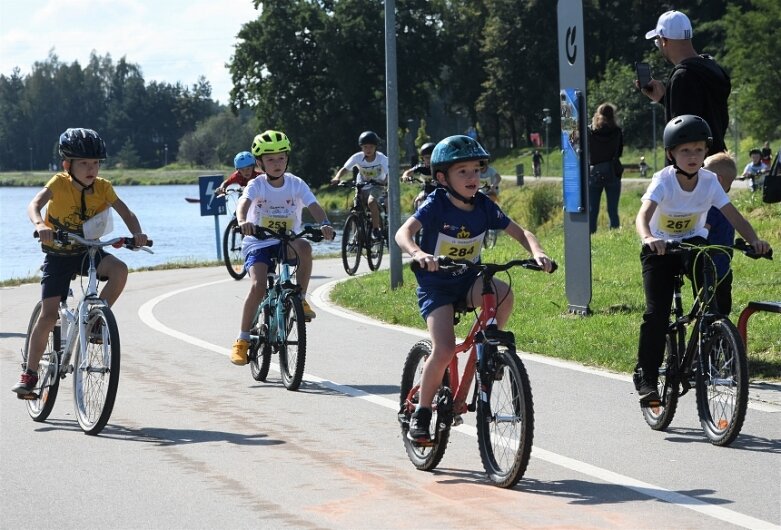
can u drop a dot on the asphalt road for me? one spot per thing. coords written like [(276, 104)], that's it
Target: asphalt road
[(195, 442)]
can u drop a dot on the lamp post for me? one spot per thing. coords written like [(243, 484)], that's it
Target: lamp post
[(165, 151), (653, 134), (31, 158), (547, 121)]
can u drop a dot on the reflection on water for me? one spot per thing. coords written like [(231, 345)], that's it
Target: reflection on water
[(176, 226)]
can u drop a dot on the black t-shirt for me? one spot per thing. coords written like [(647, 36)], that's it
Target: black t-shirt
[(700, 86), (605, 144)]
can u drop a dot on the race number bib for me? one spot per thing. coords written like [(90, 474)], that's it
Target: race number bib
[(277, 224), (678, 225), (459, 248)]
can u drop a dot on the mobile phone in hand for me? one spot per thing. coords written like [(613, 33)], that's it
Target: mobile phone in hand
[(643, 71)]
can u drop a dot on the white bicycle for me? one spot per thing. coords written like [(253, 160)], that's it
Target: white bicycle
[(88, 334)]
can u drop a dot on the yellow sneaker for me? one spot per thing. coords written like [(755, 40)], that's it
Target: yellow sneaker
[(239, 352), (309, 313)]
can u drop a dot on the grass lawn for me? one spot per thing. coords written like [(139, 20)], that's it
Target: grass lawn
[(608, 337)]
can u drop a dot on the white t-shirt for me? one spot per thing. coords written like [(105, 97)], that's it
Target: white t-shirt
[(376, 170), (275, 208), (681, 214)]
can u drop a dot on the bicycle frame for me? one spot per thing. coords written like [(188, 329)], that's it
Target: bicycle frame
[(279, 286)]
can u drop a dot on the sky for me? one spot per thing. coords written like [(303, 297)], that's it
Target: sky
[(170, 40)]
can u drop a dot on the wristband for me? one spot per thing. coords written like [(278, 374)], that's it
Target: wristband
[(325, 223)]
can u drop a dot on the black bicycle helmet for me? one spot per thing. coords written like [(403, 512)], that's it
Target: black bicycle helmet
[(686, 128), (368, 137), (427, 148), (81, 143)]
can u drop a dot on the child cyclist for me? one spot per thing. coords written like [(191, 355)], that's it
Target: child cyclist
[(674, 207), (244, 163), (274, 199), (71, 197), (422, 173), (455, 216)]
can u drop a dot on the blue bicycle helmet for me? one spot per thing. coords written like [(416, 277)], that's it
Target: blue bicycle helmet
[(243, 159), (458, 148)]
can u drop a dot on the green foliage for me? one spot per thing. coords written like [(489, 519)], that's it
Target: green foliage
[(422, 136), (216, 141), (128, 156)]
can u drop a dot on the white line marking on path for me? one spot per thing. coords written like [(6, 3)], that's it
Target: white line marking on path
[(319, 296)]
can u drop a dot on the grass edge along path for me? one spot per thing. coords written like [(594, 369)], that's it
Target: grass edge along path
[(607, 338)]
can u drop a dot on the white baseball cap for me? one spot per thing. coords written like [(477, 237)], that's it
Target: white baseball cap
[(672, 25)]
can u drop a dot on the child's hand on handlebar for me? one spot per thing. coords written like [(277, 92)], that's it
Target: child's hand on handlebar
[(655, 245), (247, 228), (545, 262), (140, 239), (760, 246), (328, 232), (45, 234), (426, 261)]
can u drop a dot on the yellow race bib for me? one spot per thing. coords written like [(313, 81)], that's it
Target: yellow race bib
[(678, 225)]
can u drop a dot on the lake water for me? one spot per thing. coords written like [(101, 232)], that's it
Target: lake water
[(176, 227)]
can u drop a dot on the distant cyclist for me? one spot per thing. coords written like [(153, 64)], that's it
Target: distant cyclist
[(244, 163), (754, 169), (273, 200), (489, 181), (71, 198), (537, 163), (372, 167), (421, 172)]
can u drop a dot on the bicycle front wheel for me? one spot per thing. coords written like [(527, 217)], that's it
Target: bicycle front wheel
[(505, 423), (96, 371), (231, 250), (659, 417), (48, 370), (352, 244), (292, 351), (260, 351), (722, 384), (423, 456)]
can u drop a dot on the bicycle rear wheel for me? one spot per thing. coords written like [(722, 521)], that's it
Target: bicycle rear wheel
[(505, 424), (659, 417), (352, 244), (292, 351), (231, 250), (48, 370), (722, 384), (423, 457), (96, 371)]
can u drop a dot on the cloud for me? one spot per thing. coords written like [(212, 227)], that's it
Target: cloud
[(172, 41)]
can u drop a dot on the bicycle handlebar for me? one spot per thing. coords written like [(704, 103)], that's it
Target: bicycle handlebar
[(446, 263), (360, 185), (677, 247), (310, 232), (64, 237)]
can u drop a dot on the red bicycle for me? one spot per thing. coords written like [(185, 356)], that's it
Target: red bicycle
[(501, 395)]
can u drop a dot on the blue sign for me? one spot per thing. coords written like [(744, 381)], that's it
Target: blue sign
[(571, 149), (210, 203)]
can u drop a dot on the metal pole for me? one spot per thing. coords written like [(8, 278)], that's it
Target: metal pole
[(217, 236), (392, 125), (653, 134), (547, 121)]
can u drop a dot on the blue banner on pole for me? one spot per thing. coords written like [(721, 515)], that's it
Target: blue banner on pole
[(210, 203), (571, 149)]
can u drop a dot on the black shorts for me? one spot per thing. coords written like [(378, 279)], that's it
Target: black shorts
[(59, 270)]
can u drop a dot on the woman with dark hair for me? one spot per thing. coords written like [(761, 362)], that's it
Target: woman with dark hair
[(605, 144)]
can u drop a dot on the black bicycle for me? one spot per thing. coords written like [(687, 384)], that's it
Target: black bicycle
[(714, 359), (357, 235), (232, 239)]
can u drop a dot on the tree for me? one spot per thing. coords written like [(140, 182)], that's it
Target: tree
[(216, 141)]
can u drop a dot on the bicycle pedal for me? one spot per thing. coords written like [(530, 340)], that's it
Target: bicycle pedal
[(30, 396)]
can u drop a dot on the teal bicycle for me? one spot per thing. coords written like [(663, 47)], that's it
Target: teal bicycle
[(279, 326)]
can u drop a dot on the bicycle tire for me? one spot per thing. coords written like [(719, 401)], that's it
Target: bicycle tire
[(260, 352), (659, 417), (505, 424), (352, 244), (292, 351), (722, 384), (48, 371), (231, 251), (374, 251), (423, 457), (96, 371)]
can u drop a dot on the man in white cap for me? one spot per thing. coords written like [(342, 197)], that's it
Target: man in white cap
[(697, 84)]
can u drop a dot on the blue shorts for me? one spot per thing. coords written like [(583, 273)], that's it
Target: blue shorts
[(267, 255), (58, 271), (433, 297)]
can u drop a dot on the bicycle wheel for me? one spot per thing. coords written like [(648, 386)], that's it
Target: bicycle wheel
[(374, 251), (722, 384), (352, 244), (505, 424), (96, 371), (260, 351), (423, 457), (231, 250), (292, 351), (659, 417), (48, 371)]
